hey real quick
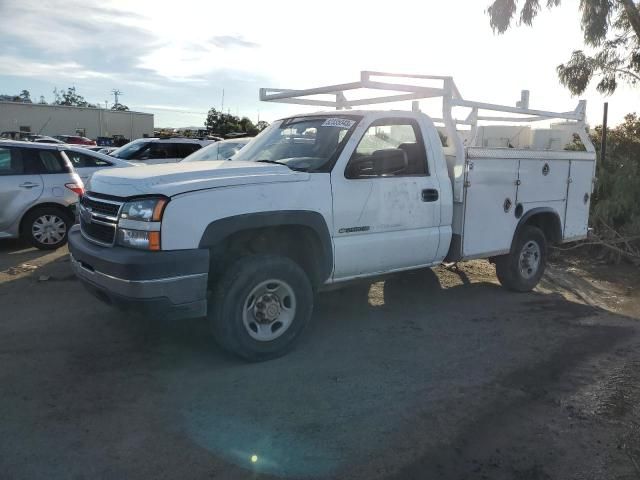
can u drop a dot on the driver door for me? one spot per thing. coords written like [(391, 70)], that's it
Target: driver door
[(385, 220)]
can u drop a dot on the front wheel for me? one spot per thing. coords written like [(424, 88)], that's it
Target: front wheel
[(260, 306), (47, 228), (522, 269)]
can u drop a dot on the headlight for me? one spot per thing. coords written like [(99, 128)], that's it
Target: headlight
[(139, 223), (144, 209), (139, 239)]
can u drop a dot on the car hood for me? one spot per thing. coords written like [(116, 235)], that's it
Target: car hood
[(175, 178)]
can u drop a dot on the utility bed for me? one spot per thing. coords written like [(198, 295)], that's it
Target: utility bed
[(502, 185)]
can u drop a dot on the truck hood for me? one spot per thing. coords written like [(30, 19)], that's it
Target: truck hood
[(175, 178)]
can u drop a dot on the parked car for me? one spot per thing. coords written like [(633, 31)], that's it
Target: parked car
[(13, 135), (113, 141), (75, 139), (223, 150), (321, 199), (87, 162), (38, 193), (159, 150), (42, 139), (107, 150)]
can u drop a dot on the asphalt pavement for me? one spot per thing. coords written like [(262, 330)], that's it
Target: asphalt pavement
[(432, 374)]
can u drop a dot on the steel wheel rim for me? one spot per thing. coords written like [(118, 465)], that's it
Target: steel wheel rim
[(269, 310), (529, 261), (49, 229)]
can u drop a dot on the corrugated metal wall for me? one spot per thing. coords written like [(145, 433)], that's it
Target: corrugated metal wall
[(57, 120)]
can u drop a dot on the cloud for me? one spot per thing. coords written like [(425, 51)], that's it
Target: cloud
[(87, 41), (67, 71), (68, 27), (21, 67), (230, 41), (81, 40)]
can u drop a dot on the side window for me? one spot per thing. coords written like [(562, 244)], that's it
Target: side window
[(157, 150), (186, 149), (44, 161), (79, 160), (51, 161), (389, 148), (11, 162)]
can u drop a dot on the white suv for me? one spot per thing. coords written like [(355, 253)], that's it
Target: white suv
[(159, 150)]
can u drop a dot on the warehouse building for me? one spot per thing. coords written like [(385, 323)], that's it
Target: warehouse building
[(62, 120)]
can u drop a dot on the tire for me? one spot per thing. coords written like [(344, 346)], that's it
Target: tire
[(260, 306), (522, 269), (47, 228)]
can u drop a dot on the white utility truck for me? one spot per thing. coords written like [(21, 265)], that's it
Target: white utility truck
[(320, 199)]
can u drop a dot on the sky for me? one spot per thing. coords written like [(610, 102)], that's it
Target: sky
[(174, 59)]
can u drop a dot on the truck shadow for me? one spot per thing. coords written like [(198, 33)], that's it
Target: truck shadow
[(405, 297)]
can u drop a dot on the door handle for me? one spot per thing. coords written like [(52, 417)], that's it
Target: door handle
[(28, 185), (430, 195)]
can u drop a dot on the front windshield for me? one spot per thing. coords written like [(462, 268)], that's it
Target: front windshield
[(129, 150), (301, 143), (216, 151)]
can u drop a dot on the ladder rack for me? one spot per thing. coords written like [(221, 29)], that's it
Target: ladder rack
[(449, 91)]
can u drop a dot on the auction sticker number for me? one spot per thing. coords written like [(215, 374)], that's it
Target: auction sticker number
[(338, 122)]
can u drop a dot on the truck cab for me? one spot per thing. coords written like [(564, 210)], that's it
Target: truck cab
[(318, 200)]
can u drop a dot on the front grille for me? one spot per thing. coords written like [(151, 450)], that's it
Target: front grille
[(99, 219), (103, 208), (102, 233)]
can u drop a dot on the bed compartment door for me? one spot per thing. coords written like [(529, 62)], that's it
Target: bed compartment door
[(578, 200), (490, 199), (542, 181)]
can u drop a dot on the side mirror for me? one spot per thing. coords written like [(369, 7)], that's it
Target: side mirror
[(381, 162)]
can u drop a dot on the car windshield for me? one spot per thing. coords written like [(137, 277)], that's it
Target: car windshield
[(301, 143), (129, 150), (217, 151)]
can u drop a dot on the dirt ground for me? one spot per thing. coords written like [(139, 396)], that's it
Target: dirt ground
[(437, 374)]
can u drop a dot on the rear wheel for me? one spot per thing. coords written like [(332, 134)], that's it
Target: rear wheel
[(522, 269), (47, 228), (260, 306)]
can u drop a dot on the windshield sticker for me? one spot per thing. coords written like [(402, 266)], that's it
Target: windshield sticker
[(338, 122)]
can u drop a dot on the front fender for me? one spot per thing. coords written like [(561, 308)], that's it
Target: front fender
[(221, 229)]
